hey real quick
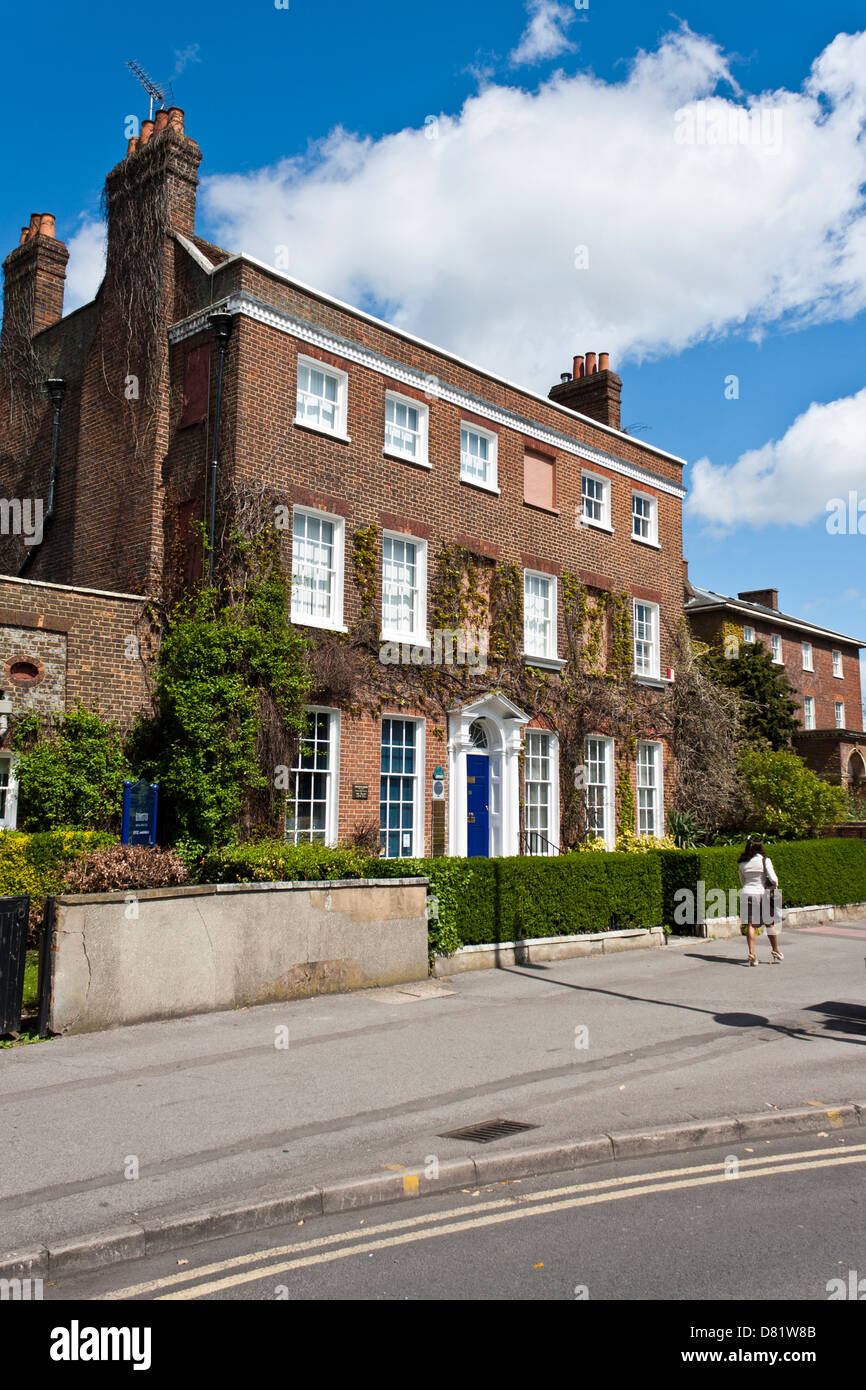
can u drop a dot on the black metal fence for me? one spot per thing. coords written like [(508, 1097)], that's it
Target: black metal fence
[(14, 913)]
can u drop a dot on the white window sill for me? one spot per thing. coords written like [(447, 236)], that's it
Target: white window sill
[(407, 639), (838, 677), (320, 627), (596, 525), (319, 429), (643, 540), (406, 458), (657, 682), (547, 663), (482, 487), (777, 661)]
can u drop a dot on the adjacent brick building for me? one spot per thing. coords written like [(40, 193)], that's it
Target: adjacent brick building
[(822, 666), (419, 497)]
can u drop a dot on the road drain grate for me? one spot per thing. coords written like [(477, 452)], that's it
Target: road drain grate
[(487, 1131)]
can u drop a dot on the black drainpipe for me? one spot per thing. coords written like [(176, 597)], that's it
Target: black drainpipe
[(56, 388), (222, 327)]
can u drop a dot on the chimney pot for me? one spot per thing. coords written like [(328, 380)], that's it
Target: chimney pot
[(604, 361), (578, 368), (35, 219), (590, 364), (160, 121), (146, 132), (565, 376), (47, 224), (25, 233), (132, 146), (175, 119)]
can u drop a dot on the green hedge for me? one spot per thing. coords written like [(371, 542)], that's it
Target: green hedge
[(277, 861), (810, 871), (32, 864)]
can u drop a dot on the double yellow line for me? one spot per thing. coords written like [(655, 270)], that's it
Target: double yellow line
[(247, 1269)]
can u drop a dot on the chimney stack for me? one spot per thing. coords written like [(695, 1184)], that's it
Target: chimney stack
[(34, 279), (594, 390), (768, 598), (141, 171)]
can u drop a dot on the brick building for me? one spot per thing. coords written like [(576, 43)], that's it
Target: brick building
[(457, 544), (822, 666)]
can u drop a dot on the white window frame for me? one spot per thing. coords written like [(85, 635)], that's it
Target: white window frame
[(307, 620), (603, 523), (652, 536), (491, 483), (837, 664), (608, 807), (341, 403), (551, 782), (9, 767), (654, 672), (776, 646), (418, 805), (806, 652), (839, 713), (551, 654), (657, 790), (420, 459), (332, 795), (808, 711), (748, 634), (419, 635)]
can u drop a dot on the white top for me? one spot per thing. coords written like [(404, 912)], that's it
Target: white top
[(752, 875)]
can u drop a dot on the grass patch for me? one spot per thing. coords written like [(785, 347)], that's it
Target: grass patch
[(31, 979)]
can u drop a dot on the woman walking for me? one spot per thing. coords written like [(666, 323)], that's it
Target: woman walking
[(758, 879)]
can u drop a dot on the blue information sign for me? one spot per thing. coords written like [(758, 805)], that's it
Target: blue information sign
[(138, 826)]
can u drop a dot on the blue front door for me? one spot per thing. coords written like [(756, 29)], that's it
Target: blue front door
[(478, 806)]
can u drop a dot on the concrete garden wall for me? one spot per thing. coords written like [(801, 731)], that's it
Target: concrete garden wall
[(167, 952)]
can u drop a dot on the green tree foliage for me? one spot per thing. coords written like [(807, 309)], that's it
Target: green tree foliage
[(785, 797), (229, 699), (768, 715), (70, 775)]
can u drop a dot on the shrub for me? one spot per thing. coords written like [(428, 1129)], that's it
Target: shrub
[(33, 864), (122, 868), (69, 775), (631, 843), (462, 897), (540, 896), (785, 797), (278, 861)]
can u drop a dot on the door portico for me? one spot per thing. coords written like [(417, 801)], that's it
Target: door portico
[(484, 741)]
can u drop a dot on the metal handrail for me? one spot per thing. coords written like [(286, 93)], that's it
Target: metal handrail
[(529, 839)]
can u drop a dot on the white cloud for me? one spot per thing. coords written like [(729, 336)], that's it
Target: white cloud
[(789, 481), (86, 263), (544, 36), (464, 231), (184, 56)]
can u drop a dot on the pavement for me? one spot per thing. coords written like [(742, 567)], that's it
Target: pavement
[(134, 1128)]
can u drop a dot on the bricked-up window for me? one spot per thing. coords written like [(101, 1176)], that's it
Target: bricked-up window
[(317, 568), (539, 480), (598, 758), (406, 428), (807, 655), (595, 493), (646, 639), (748, 634), (404, 588), (539, 614), (321, 397), (840, 714), (837, 664), (478, 457), (196, 381), (776, 646), (649, 789), (809, 712), (312, 813), (644, 518), (400, 833), (541, 792)]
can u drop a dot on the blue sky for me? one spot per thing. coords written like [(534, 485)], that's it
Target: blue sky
[(743, 264)]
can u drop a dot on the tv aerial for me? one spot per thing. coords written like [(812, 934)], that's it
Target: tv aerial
[(154, 91)]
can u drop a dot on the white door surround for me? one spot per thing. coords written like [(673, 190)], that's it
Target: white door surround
[(503, 723)]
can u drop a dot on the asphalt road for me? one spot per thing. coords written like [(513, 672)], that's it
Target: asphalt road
[(771, 1220)]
